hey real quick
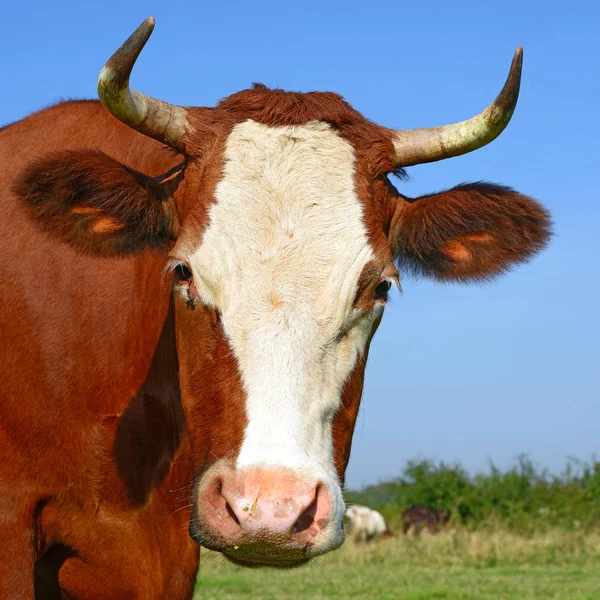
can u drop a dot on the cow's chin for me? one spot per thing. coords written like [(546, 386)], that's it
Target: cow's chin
[(258, 562), (260, 552), (264, 550)]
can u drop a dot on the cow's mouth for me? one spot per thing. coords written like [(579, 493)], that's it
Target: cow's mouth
[(254, 562)]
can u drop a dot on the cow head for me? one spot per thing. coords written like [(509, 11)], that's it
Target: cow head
[(284, 236)]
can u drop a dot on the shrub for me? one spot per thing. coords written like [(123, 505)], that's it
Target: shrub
[(524, 498)]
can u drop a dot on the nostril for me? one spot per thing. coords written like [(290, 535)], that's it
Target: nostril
[(307, 518), (231, 513)]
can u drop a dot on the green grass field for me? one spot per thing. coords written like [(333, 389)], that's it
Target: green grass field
[(453, 565)]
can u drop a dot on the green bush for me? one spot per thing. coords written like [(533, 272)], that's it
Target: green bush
[(524, 498)]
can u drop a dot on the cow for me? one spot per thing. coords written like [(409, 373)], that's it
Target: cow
[(365, 523), (417, 518), (188, 296)]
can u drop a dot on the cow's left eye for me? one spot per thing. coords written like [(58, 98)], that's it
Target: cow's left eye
[(182, 273), (381, 291)]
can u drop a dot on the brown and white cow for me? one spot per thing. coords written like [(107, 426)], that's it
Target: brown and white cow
[(417, 518), (187, 299)]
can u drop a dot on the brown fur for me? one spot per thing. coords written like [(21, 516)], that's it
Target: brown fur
[(471, 232), (417, 518), (345, 418), (114, 398), (96, 203), (277, 108), (82, 386)]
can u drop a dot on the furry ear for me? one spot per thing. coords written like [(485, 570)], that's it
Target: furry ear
[(469, 233), (97, 204)]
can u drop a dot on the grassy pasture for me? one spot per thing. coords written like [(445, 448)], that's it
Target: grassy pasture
[(455, 565)]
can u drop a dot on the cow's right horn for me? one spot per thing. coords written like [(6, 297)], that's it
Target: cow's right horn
[(157, 119)]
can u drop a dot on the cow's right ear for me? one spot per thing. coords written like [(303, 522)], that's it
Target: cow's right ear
[(97, 204)]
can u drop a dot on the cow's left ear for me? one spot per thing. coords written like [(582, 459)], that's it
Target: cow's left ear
[(97, 204), (471, 232)]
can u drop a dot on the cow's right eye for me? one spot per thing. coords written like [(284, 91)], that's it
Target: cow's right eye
[(182, 273)]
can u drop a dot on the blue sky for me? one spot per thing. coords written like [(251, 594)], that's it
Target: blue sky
[(466, 373)]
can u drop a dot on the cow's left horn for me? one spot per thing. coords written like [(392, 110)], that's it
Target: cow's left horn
[(157, 119), (416, 146)]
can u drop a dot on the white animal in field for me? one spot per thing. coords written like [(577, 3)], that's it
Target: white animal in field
[(366, 523)]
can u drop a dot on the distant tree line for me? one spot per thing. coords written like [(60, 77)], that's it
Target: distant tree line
[(523, 498)]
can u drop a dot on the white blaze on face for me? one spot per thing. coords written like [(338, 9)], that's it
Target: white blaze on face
[(280, 259)]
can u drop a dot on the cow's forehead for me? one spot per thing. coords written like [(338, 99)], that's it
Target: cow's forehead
[(286, 225)]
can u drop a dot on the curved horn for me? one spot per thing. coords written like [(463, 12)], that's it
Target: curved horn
[(416, 146), (157, 119)]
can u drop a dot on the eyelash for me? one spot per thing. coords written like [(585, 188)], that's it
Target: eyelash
[(381, 291), (181, 272)]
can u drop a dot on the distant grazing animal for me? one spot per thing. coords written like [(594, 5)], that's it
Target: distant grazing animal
[(417, 518), (187, 298), (366, 523)]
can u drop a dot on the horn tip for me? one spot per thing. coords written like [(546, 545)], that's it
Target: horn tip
[(146, 27), (518, 55)]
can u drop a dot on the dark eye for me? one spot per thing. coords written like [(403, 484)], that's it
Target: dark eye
[(381, 291), (182, 273)]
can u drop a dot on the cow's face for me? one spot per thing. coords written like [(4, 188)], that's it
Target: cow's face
[(284, 267), (282, 231)]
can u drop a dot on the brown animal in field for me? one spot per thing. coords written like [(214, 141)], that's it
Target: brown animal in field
[(417, 518), (187, 298)]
